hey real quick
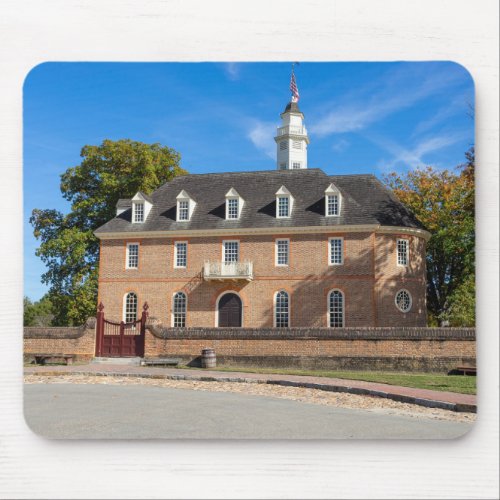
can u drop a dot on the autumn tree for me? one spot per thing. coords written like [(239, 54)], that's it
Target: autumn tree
[(68, 247), (443, 201)]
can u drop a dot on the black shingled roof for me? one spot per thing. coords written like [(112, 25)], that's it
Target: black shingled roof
[(364, 201)]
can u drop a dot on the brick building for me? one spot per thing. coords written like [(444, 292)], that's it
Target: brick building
[(291, 247)]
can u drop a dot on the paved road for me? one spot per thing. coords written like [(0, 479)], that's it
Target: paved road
[(140, 412)]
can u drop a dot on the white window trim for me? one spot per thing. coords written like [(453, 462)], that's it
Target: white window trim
[(289, 310), (185, 313), (232, 194), (278, 216), (339, 203), (396, 300), (330, 263), (179, 211), (407, 252), (183, 196), (175, 254), (227, 208), (283, 192), (333, 190), (124, 308), (223, 259), (276, 252), (328, 307), (134, 209), (127, 254)]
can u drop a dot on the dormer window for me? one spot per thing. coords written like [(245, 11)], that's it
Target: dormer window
[(283, 206), (232, 208), (183, 210), (141, 206), (185, 206), (284, 203), (234, 204), (332, 201), (138, 212)]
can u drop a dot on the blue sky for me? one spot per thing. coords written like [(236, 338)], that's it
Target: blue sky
[(362, 118)]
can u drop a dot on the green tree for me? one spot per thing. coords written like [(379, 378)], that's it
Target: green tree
[(443, 201), (68, 247), (38, 313)]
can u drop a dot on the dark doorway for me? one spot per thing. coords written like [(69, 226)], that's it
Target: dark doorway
[(230, 310)]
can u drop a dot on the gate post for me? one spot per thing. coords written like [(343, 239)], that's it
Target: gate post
[(144, 317), (122, 333), (99, 329)]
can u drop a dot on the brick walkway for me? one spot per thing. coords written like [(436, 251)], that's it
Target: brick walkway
[(424, 397)]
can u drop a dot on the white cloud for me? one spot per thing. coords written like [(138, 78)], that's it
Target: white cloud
[(232, 70), (377, 100), (262, 136), (413, 157), (340, 145)]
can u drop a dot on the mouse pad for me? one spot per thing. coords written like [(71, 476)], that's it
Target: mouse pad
[(249, 250)]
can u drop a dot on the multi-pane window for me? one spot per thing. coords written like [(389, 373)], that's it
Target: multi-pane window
[(282, 310), (283, 145), (403, 300), (132, 255), (283, 206), (295, 165), (232, 208), (130, 313), (231, 251), (184, 210), (282, 166), (297, 144), (138, 212), (180, 254), (332, 204), (282, 252), (402, 252), (336, 309), (336, 251), (179, 310)]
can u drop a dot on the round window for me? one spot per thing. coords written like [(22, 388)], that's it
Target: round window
[(403, 300)]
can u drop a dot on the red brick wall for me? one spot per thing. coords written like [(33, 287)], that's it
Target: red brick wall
[(413, 349), (369, 279), (79, 341)]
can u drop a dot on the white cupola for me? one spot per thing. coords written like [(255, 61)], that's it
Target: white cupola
[(291, 138)]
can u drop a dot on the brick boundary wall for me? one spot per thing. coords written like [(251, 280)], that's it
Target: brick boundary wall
[(391, 349), (77, 340)]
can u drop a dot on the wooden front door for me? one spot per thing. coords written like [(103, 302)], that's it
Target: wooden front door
[(230, 309)]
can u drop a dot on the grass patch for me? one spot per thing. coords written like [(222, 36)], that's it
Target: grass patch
[(464, 384)]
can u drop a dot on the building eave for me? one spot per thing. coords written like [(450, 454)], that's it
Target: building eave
[(193, 233)]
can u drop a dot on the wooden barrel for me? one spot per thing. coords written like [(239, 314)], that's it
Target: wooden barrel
[(208, 359)]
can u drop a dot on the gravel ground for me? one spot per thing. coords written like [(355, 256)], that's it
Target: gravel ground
[(312, 396)]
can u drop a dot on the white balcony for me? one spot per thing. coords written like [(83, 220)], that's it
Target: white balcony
[(214, 270), (292, 130)]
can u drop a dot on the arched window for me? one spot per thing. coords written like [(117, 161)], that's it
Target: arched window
[(336, 309), (179, 310), (403, 300), (130, 308), (282, 310)]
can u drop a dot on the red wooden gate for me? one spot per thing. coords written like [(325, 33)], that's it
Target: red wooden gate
[(117, 340)]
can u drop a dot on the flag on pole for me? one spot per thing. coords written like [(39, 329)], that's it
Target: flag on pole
[(293, 88)]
